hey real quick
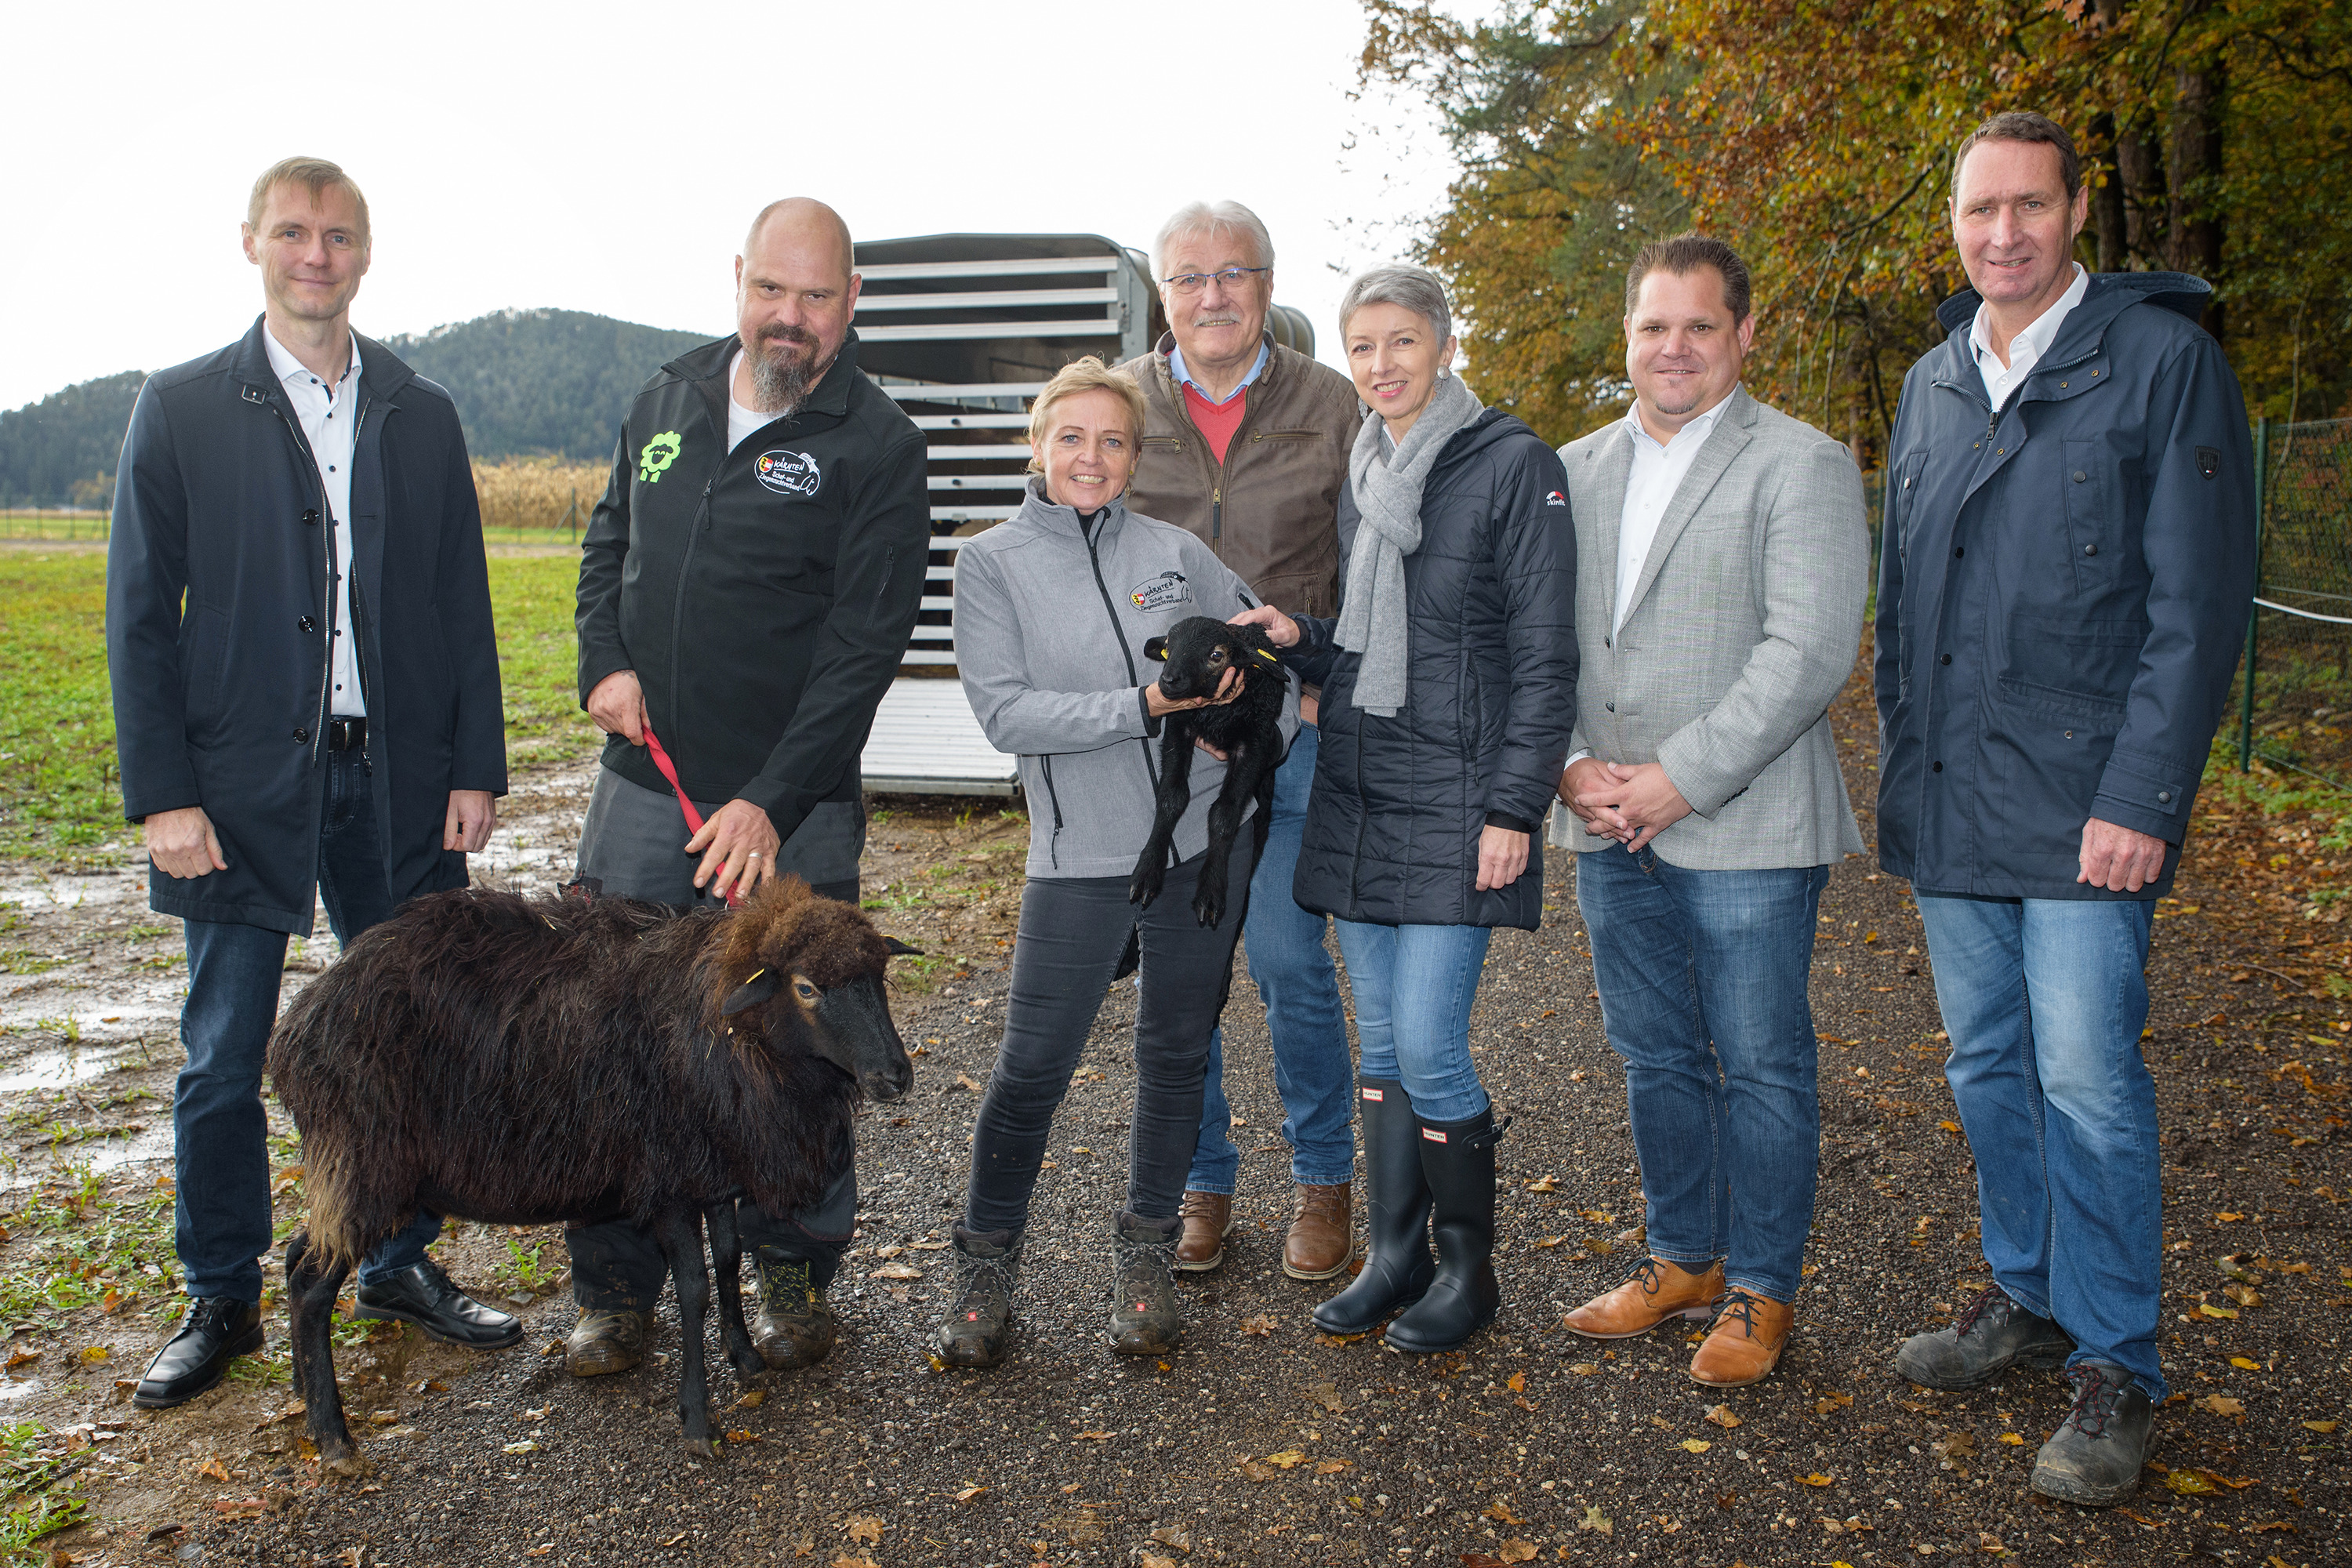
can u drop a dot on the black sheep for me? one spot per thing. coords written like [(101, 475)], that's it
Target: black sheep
[(1198, 652), (525, 1061)]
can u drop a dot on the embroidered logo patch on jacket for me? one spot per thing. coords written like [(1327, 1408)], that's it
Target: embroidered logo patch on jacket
[(1159, 593), (660, 454), (788, 473)]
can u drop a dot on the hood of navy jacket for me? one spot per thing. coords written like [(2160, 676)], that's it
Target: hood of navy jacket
[(2064, 585)]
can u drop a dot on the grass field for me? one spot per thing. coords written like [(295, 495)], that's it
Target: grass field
[(59, 795), (90, 528)]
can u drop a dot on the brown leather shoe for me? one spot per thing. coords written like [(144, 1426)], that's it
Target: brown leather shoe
[(1656, 1291), (1322, 1240), (1746, 1342), (1207, 1217)]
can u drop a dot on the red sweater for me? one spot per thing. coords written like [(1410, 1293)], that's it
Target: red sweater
[(1216, 420)]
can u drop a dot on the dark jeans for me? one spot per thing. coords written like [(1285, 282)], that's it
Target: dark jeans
[(1073, 931), (1310, 1032), (631, 841), (220, 1142), (1702, 978)]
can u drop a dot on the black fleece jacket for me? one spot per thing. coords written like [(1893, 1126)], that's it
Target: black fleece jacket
[(764, 596)]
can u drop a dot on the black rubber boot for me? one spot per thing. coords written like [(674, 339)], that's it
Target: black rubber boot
[(1146, 1318), (1397, 1265), (978, 1322), (1457, 1160)]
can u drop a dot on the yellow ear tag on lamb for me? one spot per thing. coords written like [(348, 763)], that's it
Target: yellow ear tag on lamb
[(1265, 656)]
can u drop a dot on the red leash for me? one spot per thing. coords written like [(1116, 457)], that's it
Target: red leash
[(693, 817)]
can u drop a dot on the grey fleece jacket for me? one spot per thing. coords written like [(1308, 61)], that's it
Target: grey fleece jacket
[(1050, 623)]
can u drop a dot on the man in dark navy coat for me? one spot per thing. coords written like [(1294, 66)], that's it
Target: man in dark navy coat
[(305, 704), (2066, 571)]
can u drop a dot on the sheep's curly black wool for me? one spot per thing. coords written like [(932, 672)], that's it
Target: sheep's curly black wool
[(525, 1061)]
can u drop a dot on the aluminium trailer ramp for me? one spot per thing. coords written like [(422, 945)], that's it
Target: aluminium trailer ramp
[(963, 329)]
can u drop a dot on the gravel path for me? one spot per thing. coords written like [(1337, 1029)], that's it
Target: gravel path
[(1265, 1441)]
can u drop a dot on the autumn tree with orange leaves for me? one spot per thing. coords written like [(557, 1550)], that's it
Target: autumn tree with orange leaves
[(1817, 136)]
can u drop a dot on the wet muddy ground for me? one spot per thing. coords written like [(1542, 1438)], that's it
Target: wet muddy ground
[(1261, 1440)]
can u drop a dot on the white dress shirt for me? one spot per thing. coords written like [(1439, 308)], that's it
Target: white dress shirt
[(330, 416), (1658, 470), (2026, 349)]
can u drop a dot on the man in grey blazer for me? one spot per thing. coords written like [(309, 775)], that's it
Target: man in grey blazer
[(1722, 611)]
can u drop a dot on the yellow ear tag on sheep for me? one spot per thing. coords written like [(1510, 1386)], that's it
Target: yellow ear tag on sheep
[(1265, 656)]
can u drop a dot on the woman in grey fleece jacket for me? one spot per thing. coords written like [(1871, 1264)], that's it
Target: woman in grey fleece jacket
[(1052, 610)]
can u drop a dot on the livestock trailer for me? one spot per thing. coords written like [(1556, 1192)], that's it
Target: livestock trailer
[(963, 329)]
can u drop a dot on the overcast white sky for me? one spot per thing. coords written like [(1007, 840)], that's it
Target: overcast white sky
[(605, 157)]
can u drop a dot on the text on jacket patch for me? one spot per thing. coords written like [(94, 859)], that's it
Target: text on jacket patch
[(1159, 593), (788, 473)]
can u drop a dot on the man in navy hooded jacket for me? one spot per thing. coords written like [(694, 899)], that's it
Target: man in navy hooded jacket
[(306, 704), (2066, 575)]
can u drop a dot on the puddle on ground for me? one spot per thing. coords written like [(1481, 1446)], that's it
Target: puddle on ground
[(61, 1067), (14, 1388)]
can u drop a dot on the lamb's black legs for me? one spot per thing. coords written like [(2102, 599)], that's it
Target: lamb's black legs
[(679, 1231), (727, 1266), (1246, 766), (311, 1309), (1173, 794)]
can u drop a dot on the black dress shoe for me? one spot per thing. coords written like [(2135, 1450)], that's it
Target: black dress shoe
[(423, 1295), (216, 1330)]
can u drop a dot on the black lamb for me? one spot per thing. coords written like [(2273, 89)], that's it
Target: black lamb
[(1248, 730)]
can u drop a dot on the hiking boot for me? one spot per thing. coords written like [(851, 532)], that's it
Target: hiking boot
[(1322, 1239), (606, 1342), (1397, 1265), (1991, 1334), (1207, 1217), (977, 1325), (1657, 1289), (1745, 1345), (795, 1327), (1457, 1162), (1145, 1316), (2095, 1456)]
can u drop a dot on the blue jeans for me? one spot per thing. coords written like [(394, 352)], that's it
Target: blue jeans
[(220, 1135), (1295, 978), (1413, 987), (1701, 979), (2044, 999)]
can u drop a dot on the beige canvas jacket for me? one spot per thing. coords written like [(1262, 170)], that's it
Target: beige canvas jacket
[(1270, 510)]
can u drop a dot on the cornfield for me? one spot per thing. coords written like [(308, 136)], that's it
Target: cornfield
[(538, 492)]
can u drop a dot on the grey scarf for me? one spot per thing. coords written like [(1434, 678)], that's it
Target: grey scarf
[(1387, 488)]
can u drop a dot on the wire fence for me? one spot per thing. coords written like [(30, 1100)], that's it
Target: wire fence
[(69, 527), (2295, 688)]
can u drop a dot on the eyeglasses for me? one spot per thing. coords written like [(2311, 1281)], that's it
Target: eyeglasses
[(1229, 277)]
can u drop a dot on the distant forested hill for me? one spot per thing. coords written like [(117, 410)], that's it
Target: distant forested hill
[(61, 450), (541, 383), (527, 384)]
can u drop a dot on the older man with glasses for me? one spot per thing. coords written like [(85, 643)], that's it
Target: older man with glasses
[(1245, 444)]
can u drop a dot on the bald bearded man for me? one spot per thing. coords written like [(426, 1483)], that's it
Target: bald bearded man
[(747, 587)]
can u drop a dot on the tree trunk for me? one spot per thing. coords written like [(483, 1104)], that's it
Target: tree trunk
[(2196, 176), (2140, 159), (2106, 177)]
